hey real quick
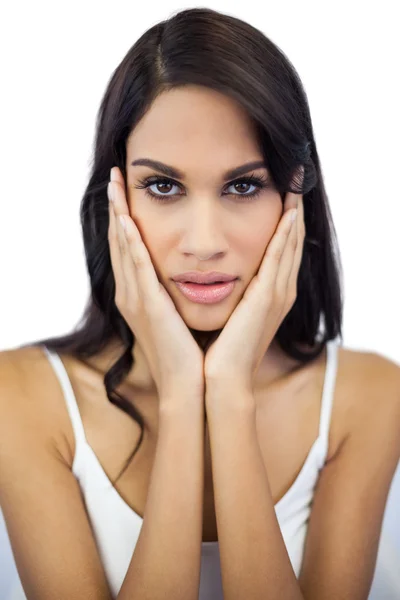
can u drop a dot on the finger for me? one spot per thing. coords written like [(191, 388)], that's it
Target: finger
[(270, 264), (292, 288), (115, 252), (148, 285), (286, 263), (286, 273), (136, 259), (123, 265), (116, 175)]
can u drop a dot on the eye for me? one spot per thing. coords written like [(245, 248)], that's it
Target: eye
[(163, 183), (259, 182)]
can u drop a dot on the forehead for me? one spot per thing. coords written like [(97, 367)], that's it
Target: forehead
[(194, 122)]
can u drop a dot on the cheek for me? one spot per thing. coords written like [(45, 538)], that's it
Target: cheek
[(145, 224), (154, 238), (255, 237)]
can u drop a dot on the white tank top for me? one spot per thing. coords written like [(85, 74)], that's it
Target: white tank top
[(116, 526)]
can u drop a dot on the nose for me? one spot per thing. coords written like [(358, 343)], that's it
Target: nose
[(206, 257), (203, 237)]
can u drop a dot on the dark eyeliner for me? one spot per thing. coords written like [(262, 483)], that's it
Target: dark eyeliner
[(259, 181)]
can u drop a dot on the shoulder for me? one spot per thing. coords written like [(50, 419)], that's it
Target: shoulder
[(368, 386), (351, 494), (29, 399), (21, 369), (372, 375)]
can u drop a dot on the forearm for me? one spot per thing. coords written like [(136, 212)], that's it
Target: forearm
[(167, 557), (254, 559)]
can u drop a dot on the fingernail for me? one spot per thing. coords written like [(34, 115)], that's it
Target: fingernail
[(293, 216), (113, 175), (109, 192)]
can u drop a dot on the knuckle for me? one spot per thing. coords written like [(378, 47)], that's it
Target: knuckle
[(276, 254), (140, 261), (123, 248)]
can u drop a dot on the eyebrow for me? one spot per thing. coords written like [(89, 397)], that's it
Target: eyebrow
[(177, 174)]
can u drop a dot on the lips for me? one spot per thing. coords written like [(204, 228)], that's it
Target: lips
[(204, 278), (203, 293), (202, 283)]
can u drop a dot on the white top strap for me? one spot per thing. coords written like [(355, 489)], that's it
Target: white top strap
[(328, 394), (69, 395)]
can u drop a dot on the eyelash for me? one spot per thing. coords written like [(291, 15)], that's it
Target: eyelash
[(260, 182)]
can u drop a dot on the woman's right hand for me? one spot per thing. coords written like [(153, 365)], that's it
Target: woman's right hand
[(175, 360)]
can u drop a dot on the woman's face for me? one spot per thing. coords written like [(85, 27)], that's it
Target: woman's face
[(196, 225)]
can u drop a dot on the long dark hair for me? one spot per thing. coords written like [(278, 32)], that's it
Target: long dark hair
[(204, 47)]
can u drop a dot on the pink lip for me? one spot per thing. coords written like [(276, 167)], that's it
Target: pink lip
[(206, 294)]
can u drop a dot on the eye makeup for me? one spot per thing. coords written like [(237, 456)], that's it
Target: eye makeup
[(259, 182)]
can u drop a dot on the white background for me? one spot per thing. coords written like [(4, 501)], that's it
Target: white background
[(56, 60)]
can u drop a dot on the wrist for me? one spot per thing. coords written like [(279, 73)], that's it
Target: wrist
[(229, 397), (181, 402)]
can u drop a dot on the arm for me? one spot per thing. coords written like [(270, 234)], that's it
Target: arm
[(49, 531), (167, 557), (350, 498), (254, 560), (348, 507)]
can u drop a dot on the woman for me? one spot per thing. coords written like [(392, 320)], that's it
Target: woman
[(251, 426)]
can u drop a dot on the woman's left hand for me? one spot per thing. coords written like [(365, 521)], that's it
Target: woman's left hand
[(232, 361)]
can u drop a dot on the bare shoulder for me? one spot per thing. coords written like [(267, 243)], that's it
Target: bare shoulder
[(15, 366), (28, 402), (369, 390), (20, 368), (352, 490)]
